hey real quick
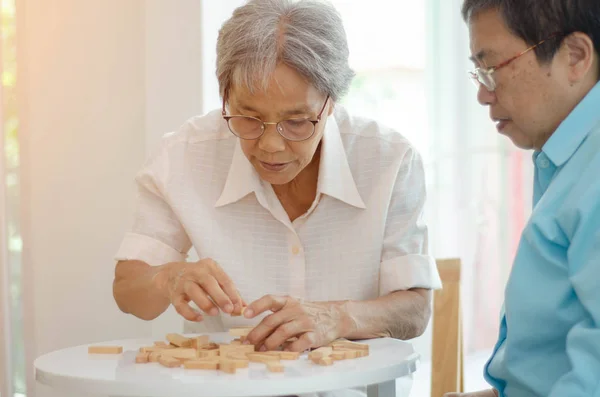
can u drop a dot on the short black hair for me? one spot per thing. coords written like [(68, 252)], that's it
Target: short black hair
[(537, 20)]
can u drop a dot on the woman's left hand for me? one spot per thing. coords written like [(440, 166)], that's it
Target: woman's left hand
[(314, 323)]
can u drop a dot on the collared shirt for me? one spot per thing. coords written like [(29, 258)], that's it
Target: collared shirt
[(549, 342), (362, 238)]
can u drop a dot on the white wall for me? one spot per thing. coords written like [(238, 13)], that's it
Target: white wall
[(83, 98)]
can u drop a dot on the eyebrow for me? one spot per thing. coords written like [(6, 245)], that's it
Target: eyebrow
[(290, 112)]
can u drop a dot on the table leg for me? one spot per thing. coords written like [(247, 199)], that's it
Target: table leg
[(385, 389)]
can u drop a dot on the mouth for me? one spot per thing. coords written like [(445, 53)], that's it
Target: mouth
[(275, 167), (501, 123)]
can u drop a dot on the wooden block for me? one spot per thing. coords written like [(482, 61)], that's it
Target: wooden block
[(274, 366), (161, 343), (208, 353), (227, 366), (180, 353), (105, 349), (261, 358), (237, 356), (289, 355), (200, 341), (201, 364), (179, 340), (338, 355), (142, 358), (320, 353), (350, 345), (224, 349), (328, 360), (240, 331), (153, 357), (362, 353), (349, 353), (169, 362), (236, 342), (239, 362), (210, 346)]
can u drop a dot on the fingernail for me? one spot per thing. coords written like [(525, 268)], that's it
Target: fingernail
[(246, 342), (228, 308), (263, 349), (248, 313), (214, 311)]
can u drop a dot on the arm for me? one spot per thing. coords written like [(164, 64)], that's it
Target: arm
[(583, 340)]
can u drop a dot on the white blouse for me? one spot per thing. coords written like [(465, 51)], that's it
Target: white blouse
[(362, 238)]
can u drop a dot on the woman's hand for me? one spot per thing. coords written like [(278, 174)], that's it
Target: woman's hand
[(204, 283), (313, 323)]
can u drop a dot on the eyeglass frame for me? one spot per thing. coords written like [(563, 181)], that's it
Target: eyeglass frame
[(492, 69), (276, 124)]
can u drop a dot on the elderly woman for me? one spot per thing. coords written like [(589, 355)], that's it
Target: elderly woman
[(308, 217)]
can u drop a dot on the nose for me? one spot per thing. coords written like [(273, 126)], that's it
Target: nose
[(485, 96), (271, 141)]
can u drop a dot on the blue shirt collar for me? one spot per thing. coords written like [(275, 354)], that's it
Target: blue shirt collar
[(574, 129)]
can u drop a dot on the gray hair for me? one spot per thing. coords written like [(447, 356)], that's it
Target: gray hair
[(306, 35)]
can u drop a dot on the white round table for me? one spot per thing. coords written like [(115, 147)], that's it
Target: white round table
[(73, 369)]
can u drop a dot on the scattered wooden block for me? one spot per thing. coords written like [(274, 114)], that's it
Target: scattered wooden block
[(338, 355), (225, 349), (239, 362), (184, 353), (349, 353), (105, 349), (227, 366), (240, 331), (161, 343), (274, 366), (142, 358), (179, 340), (208, 353), (320, 353), (210, 346), (324, 361), (261, 358), (289, 355), (169, 362), (201, 364), (200, 341), (349, 345), (154, 357)]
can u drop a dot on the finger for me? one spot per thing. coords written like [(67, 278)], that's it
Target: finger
[(305, 341), (269, 324), (199, 297), (185, 310), (210, 285), (228, 286), (268, 302), (284, 332)]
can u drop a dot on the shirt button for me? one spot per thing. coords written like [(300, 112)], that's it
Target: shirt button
[(295, 250), (544, 163)]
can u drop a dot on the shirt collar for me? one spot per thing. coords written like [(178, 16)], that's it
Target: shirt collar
[(335, 177), (574, 129), (242, 179)]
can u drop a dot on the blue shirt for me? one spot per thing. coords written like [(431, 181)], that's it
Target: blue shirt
[(549, 342)]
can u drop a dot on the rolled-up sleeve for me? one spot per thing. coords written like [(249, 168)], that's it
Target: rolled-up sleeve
[(157, 236), (406, 262)]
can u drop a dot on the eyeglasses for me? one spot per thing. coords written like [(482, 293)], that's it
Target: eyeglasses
[(484, 76), (297, 129)]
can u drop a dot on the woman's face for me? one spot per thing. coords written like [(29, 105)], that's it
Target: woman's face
[(288, 96)]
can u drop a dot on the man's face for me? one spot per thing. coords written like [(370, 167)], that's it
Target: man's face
[(526, 104)]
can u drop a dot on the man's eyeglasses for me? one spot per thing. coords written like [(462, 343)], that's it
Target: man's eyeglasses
[(295, 129), (484, 76)]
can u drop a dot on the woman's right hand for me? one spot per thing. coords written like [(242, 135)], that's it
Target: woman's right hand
[(204, 283)]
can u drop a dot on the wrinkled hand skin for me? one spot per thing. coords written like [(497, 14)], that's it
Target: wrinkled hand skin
[(314, 323)]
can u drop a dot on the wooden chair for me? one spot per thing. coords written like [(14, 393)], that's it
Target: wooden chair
[(447, 342)]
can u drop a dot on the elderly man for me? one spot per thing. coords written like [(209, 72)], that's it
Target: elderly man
[(537, 67), (310, 215)]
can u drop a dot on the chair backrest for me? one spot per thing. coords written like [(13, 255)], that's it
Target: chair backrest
[(447, 341)]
